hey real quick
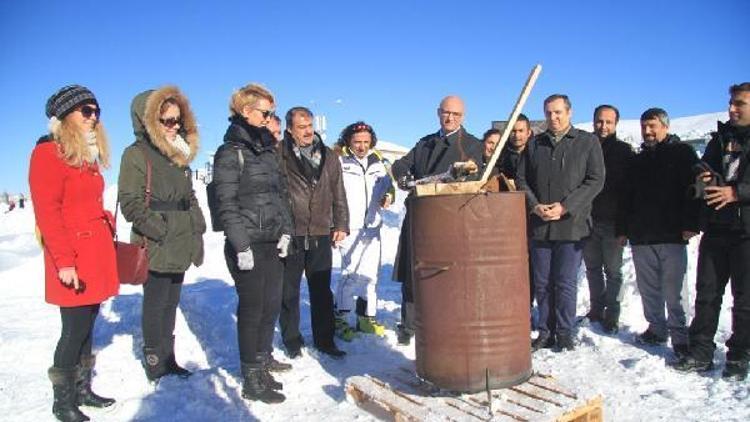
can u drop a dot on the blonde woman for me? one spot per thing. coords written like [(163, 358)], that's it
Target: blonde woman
[(79, 257), (253, 205)]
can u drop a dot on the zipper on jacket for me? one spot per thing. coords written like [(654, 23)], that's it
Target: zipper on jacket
[(364, 182)]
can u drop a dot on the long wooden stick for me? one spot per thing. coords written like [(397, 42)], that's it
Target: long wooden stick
[(512, 121)]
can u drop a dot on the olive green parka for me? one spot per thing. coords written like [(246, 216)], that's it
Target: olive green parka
[(173, 224)]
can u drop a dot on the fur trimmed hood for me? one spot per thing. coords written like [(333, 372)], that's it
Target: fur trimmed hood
[(144, 112)]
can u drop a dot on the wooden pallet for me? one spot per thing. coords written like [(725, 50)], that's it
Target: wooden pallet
[(405, 398)]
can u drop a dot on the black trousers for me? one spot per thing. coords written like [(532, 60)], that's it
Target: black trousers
[(720, 259), (161, 295), (259, 304), (76, 334), (313, 257)]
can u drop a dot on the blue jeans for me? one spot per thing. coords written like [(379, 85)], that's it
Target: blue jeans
[(555, 266)]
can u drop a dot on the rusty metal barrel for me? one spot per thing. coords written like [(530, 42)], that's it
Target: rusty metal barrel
[(471, 290)]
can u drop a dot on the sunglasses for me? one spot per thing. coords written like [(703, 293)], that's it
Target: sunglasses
[(266, 113), (171, 122), (88, 111), (362, 127)]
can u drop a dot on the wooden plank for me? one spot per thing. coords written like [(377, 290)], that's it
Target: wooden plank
[(407, 398), (590, 412), (432, 189)]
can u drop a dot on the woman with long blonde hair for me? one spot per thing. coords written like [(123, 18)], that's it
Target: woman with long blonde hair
[(76, 233)]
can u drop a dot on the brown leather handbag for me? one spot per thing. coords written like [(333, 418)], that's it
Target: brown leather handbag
[(132, 259)]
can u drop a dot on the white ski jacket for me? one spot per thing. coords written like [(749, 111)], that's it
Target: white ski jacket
[(366, 182)]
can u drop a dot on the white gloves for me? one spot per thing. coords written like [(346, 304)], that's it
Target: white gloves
[(283, 245), (245, 260)]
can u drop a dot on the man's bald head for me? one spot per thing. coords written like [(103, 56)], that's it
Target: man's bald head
[(451, 113)]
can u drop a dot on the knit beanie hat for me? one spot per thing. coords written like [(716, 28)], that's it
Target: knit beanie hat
[(67, 99)]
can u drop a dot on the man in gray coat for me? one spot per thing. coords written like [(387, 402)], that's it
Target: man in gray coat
[(561, 173)]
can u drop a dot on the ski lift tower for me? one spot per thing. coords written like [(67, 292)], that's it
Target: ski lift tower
[(320, 124)]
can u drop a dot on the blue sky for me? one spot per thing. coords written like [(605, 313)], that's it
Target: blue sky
[(387, 62)]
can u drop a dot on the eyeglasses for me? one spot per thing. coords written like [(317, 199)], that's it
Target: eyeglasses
[(362, 127), (446, 113), (267, 114), (87, 111), (171, 122)]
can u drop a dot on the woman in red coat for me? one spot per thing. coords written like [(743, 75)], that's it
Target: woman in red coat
[(79, 256)]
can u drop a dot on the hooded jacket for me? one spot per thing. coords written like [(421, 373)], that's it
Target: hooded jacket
[(253, 201), (173, 224), (318, 200), (655, 207)]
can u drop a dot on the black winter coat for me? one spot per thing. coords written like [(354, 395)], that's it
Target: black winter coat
[(571, 172), (318, 202), (734, 217), (435, 154), (655, 204), (253, 202), (617, 155), (508, 161)]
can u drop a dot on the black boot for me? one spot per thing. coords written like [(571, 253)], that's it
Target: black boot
[(268, 379), (153, 363), (65, 407), (170, 364), (86, 397), (735, 369), (276, 366), (254, 387)]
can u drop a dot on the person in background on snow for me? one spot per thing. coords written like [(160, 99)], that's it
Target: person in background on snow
[(724, 252), (76, 234), (172, 224), (433, 154), (659, 218), (253, 205), (368, 191)]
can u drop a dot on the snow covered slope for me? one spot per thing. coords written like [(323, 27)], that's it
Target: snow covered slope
[(691, 127)]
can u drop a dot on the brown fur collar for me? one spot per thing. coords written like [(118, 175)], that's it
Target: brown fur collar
[(189, 129)]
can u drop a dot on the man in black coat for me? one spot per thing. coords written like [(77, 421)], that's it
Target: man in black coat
[(659, 218), (561, 172), (510, 156), (724, 252), (433, 154), (603, 251)]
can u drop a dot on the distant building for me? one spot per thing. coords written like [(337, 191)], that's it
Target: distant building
[(391, 151), (537, 126)]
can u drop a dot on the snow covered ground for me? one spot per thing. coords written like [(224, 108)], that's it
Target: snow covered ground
[(634, 380)]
